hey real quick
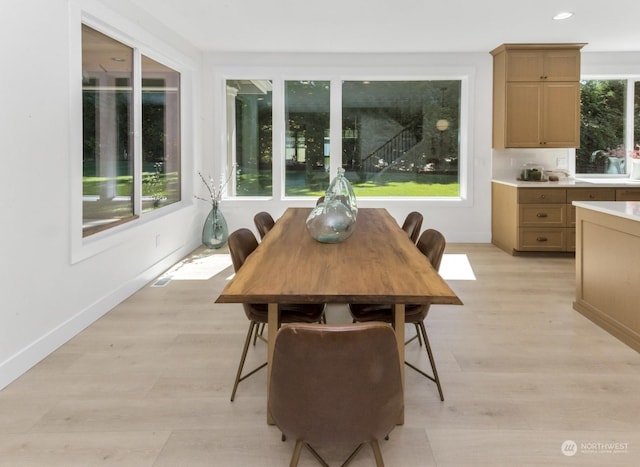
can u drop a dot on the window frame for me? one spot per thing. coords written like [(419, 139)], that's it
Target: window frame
[(85, 246), (278, 76)]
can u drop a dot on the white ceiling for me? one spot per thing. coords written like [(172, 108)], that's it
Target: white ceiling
[(396, 25)]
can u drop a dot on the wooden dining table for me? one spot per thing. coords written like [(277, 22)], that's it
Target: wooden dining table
[(378, 263)]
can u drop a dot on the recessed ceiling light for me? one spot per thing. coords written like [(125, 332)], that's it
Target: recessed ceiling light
[(563, 15)]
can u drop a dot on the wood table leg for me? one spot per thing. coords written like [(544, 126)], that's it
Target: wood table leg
[(272, 329), (398, 312)]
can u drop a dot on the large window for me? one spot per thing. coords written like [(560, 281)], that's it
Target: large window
[(250, 121), (393, 138), (160, 135), (307, 143), (400, 138), (609, 127), (120, 181)]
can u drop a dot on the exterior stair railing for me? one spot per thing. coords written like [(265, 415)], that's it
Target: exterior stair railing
[(394, 148)]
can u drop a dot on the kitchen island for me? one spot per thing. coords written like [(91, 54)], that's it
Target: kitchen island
[(608, 267)]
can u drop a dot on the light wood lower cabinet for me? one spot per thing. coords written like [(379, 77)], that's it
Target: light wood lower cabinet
[(628, 194), (543, 219)]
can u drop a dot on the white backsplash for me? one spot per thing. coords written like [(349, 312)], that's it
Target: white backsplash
[(508, 162)]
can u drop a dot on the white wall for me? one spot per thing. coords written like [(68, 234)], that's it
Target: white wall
[(54, 284), (45, 298)]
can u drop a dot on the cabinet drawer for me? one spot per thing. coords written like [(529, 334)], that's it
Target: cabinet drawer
[(542, 239), (542, 195), (571, 238), (571, 215), (542, 215), (628, 194), (591, 194)]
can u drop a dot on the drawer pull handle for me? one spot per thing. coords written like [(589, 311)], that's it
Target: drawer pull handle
[(542, 196), (541, 239), (541, 214)]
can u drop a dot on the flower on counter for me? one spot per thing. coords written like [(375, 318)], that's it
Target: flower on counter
[(635, 153)]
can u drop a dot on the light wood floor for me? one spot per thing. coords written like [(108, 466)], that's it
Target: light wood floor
[(149, 384)]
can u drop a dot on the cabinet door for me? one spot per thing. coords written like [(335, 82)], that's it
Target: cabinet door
[(525, 65), (556, 65), (561, 125), (562, 65), (524, 102)]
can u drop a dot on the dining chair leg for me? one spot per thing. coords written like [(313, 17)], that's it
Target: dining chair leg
[(417, 336), (259, 333), (316, 455), (239, 377), (436, 378), (377, 453), (352, 455), (255, 334), (295, 457)]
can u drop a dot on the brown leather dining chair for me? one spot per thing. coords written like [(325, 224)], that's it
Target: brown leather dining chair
[(242, 243), (412, 225), (336, 385), (264, 223), (431, 244)]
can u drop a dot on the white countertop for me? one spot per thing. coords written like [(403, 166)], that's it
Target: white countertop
[(626, 209), (572, 182)]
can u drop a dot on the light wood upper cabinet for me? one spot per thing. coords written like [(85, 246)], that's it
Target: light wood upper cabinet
[(536, 96), (543, 65)]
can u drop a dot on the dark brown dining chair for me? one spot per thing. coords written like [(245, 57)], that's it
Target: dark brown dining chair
[(412, 225), (336, 385), (242, 243), (264, 223), (431, 244)]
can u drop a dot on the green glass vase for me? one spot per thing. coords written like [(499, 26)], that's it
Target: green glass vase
[(215, 231)]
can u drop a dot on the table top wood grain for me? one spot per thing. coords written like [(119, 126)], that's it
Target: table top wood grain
[(377, 264)]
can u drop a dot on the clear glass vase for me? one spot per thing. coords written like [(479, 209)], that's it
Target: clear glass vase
[(331, 221), (215, 231), (341, 190)]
